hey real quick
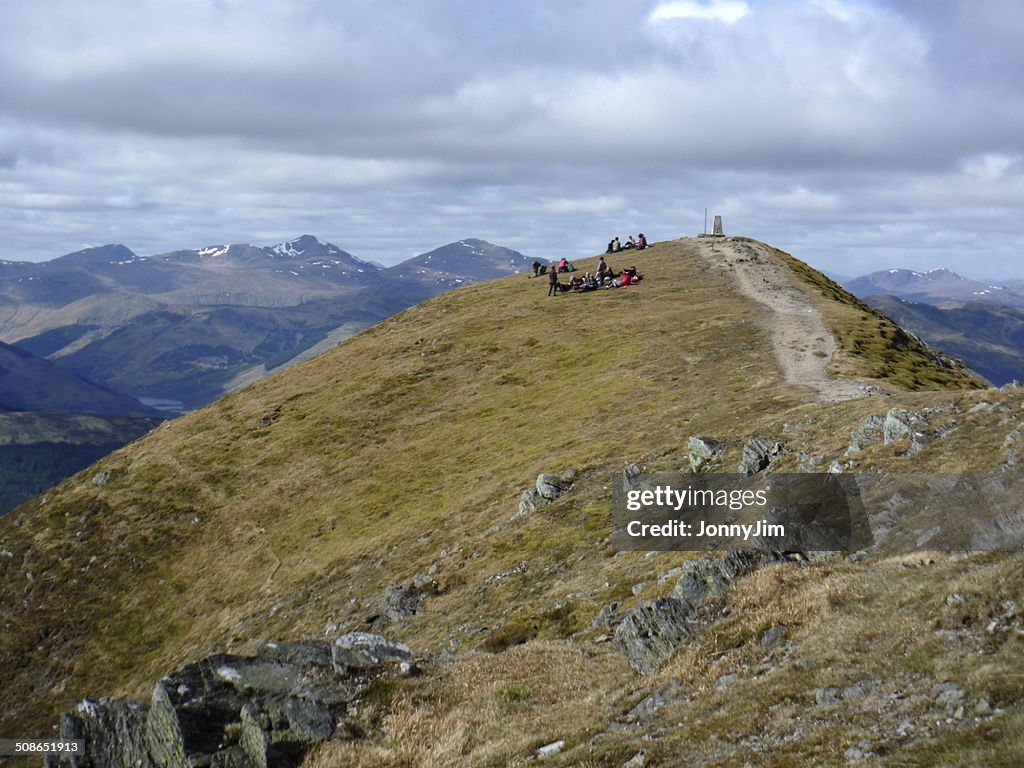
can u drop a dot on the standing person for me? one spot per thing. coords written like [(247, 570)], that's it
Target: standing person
[(602, 270), (536, 268), (553, 281)]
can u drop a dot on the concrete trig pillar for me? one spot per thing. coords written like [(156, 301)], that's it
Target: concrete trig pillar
[(718, 226)]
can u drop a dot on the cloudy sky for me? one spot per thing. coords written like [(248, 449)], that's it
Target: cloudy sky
[(857, 134)]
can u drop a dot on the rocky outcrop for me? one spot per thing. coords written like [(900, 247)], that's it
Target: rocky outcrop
[(404, 600), (759, 454), (262, 711), (655, 628), (917, 427), (704, 452), (547, 488)]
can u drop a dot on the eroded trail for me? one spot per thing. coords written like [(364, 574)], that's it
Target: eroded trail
[(802, 342)]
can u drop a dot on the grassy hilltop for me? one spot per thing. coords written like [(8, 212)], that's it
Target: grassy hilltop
[(290, 506)]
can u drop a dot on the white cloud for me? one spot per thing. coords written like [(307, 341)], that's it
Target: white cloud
[(728, 11)]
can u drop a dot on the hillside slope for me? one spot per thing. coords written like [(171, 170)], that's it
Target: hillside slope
[(989, 338), (288, 508)]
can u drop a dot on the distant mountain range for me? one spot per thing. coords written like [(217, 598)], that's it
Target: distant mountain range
[(981, 323), (934, 287), (187, 326)]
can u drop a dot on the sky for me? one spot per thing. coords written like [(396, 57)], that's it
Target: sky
[(856, 134)]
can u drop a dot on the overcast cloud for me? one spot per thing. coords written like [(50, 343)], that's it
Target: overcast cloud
[(856, 134)]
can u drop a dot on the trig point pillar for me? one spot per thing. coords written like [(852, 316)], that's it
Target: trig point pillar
[(718, 227)]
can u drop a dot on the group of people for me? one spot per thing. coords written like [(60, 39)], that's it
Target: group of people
[(605, 277), (639, 243), (562, 266)]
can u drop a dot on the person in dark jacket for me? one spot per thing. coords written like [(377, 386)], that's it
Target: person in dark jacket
[(553, 280)]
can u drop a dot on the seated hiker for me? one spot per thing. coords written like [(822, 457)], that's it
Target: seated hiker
[(553, 287), (575, 283), (631, 243), (618, 245), (633, 275), (641, 242), (565, 266), (537, 269), (611, 246)]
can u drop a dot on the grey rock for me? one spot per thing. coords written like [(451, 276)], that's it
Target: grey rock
[(836, 467), (404, 600), (702, 579), (364, 651), (774, 636), (550, 487), (232, 711), (651, 631), (1004, 532), (948, 694), (904, 423), (870, 432), (530, 501), (636, 589), (654, 628), (759, 454), (608, 617), (703, 452), (651, 704), (113, 731), (552, 749), (100, 478), (827, 697), (568, 476), (631, 477), (982, 708), (639, 760)]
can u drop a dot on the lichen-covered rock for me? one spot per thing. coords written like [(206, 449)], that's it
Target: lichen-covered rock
[(404, 600), (703, 452), (364, 651), (701, 580), (904, 423), (759, 454), (550, 487), (530, 501), (114, 731), (870, 432), (231, 711), (651, 631), (631, 477)]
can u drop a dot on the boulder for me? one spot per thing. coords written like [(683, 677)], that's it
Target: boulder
[(530, 501), (550, 487), (759, 454), (366, 652), (703, 452), (631, 477)]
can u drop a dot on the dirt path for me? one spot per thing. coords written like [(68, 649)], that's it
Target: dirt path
[(803, 343)]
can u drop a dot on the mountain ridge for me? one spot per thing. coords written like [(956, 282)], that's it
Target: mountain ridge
[(290, 508)]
